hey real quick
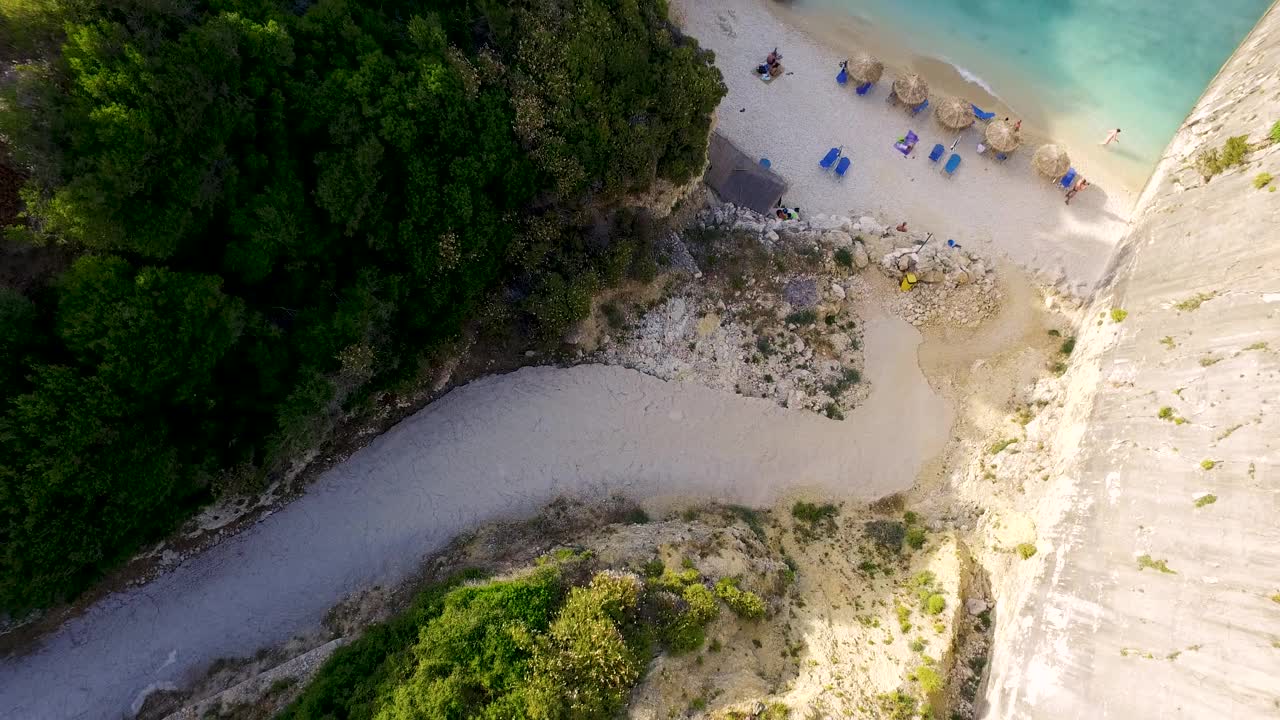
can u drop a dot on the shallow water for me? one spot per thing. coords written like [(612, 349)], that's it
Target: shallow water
[(1077, 68)]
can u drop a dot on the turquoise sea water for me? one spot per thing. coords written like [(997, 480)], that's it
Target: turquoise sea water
[(1138, 65)]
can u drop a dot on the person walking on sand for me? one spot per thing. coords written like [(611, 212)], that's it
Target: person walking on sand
[(1113, 137), (1077, 188), (902, 227)]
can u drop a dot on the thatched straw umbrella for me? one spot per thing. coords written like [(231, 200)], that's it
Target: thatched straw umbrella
[(1050, 161), (865, 69), (911, 89), (955, 113), (1002, 137)]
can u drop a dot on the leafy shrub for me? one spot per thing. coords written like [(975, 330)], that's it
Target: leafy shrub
[(1026, 550), (1119, 314), (1274, 132), (935, 604), (915, 537), (802, 317), (1206, 499), (744, 603), (1068, 346), (813, 519), (844, 257), (1261, 180), (888, 534), (1234, 150), (929, 679)]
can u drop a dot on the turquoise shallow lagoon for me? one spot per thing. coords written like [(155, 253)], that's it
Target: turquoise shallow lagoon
[(1073, 68)]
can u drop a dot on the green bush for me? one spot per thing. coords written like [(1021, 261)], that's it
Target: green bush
[(844, 257), (802, 317), (1274, 132), (929, 679), (1026, 550), (1261, 180), (744, 603), (915, 537), (1119, 314), (1234, 150), (935, 604), (888, 534)]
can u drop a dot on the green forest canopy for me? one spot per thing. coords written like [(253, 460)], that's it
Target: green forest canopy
[(277, 208)]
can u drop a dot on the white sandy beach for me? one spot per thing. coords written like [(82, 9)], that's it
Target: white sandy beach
[(994, 208)]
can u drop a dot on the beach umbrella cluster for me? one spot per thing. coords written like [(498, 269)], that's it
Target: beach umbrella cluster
[(911, 89), (1002, 137), (865, 69), (955, 113), (1050, 161)]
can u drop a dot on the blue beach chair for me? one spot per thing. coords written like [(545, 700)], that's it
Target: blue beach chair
[(1069, 178), (953, 162), (864, 88), (936, 153), (1002, 156), (980, 114), (826, 162), (842, 167), (916, 110), (843, 77)]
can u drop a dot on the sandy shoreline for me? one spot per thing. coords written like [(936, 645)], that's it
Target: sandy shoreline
[(998, 208)]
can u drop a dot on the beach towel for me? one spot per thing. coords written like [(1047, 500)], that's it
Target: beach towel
[(907, 143)]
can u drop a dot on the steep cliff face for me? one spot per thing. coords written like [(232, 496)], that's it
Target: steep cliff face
[(1158, 593)]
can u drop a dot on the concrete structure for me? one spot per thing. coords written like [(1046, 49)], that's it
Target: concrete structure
[(1144, 603)]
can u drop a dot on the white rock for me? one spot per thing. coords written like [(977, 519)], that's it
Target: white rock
[(975, 606), (839, 342), (771, 236), (860, 258), (798, 345), (837, 238), (837, 290)]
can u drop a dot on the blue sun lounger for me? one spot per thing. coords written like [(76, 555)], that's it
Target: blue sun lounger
[(1069, 178), (936, 153), (842, 166), (980, 114), (953, 162), (864, 88), (830, 159), (843, 77), (916, 110)]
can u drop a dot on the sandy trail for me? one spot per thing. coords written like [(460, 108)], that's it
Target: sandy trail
[(994, 208), (498, 447)]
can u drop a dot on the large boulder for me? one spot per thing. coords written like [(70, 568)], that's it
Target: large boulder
[(860, 257)]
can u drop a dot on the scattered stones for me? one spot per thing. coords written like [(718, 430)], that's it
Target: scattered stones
[(801, 293)]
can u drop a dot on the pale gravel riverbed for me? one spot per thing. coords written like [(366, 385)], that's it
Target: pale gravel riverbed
[(501, 446)]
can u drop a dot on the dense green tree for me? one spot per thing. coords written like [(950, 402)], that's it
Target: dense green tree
[(281, 208)]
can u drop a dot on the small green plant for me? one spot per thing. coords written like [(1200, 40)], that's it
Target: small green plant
[(1261, 180), (1275, 598), (997, 447), (1168, 343), (1059, 367), (1209, 162), (1207, 499), (1068, 345), (904, 617), (1234, 150), (1194, 302), (929, 679), (918, 644), (1208, 464), (1145, 561), (844, 257), (802, 317), (832, 410), (1119, 314), (1055, 333), (935, 604), (888, 534), (614, 315), (1262, 345), (915, 537), (1209, 360), (1026, 550), (744, 603), (1166, 413)]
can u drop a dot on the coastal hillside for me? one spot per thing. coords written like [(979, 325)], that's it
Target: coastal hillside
[(601, 611), (245, 223)]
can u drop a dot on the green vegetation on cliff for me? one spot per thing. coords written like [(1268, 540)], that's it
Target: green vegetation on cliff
[(557, 642), (277, 210)]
